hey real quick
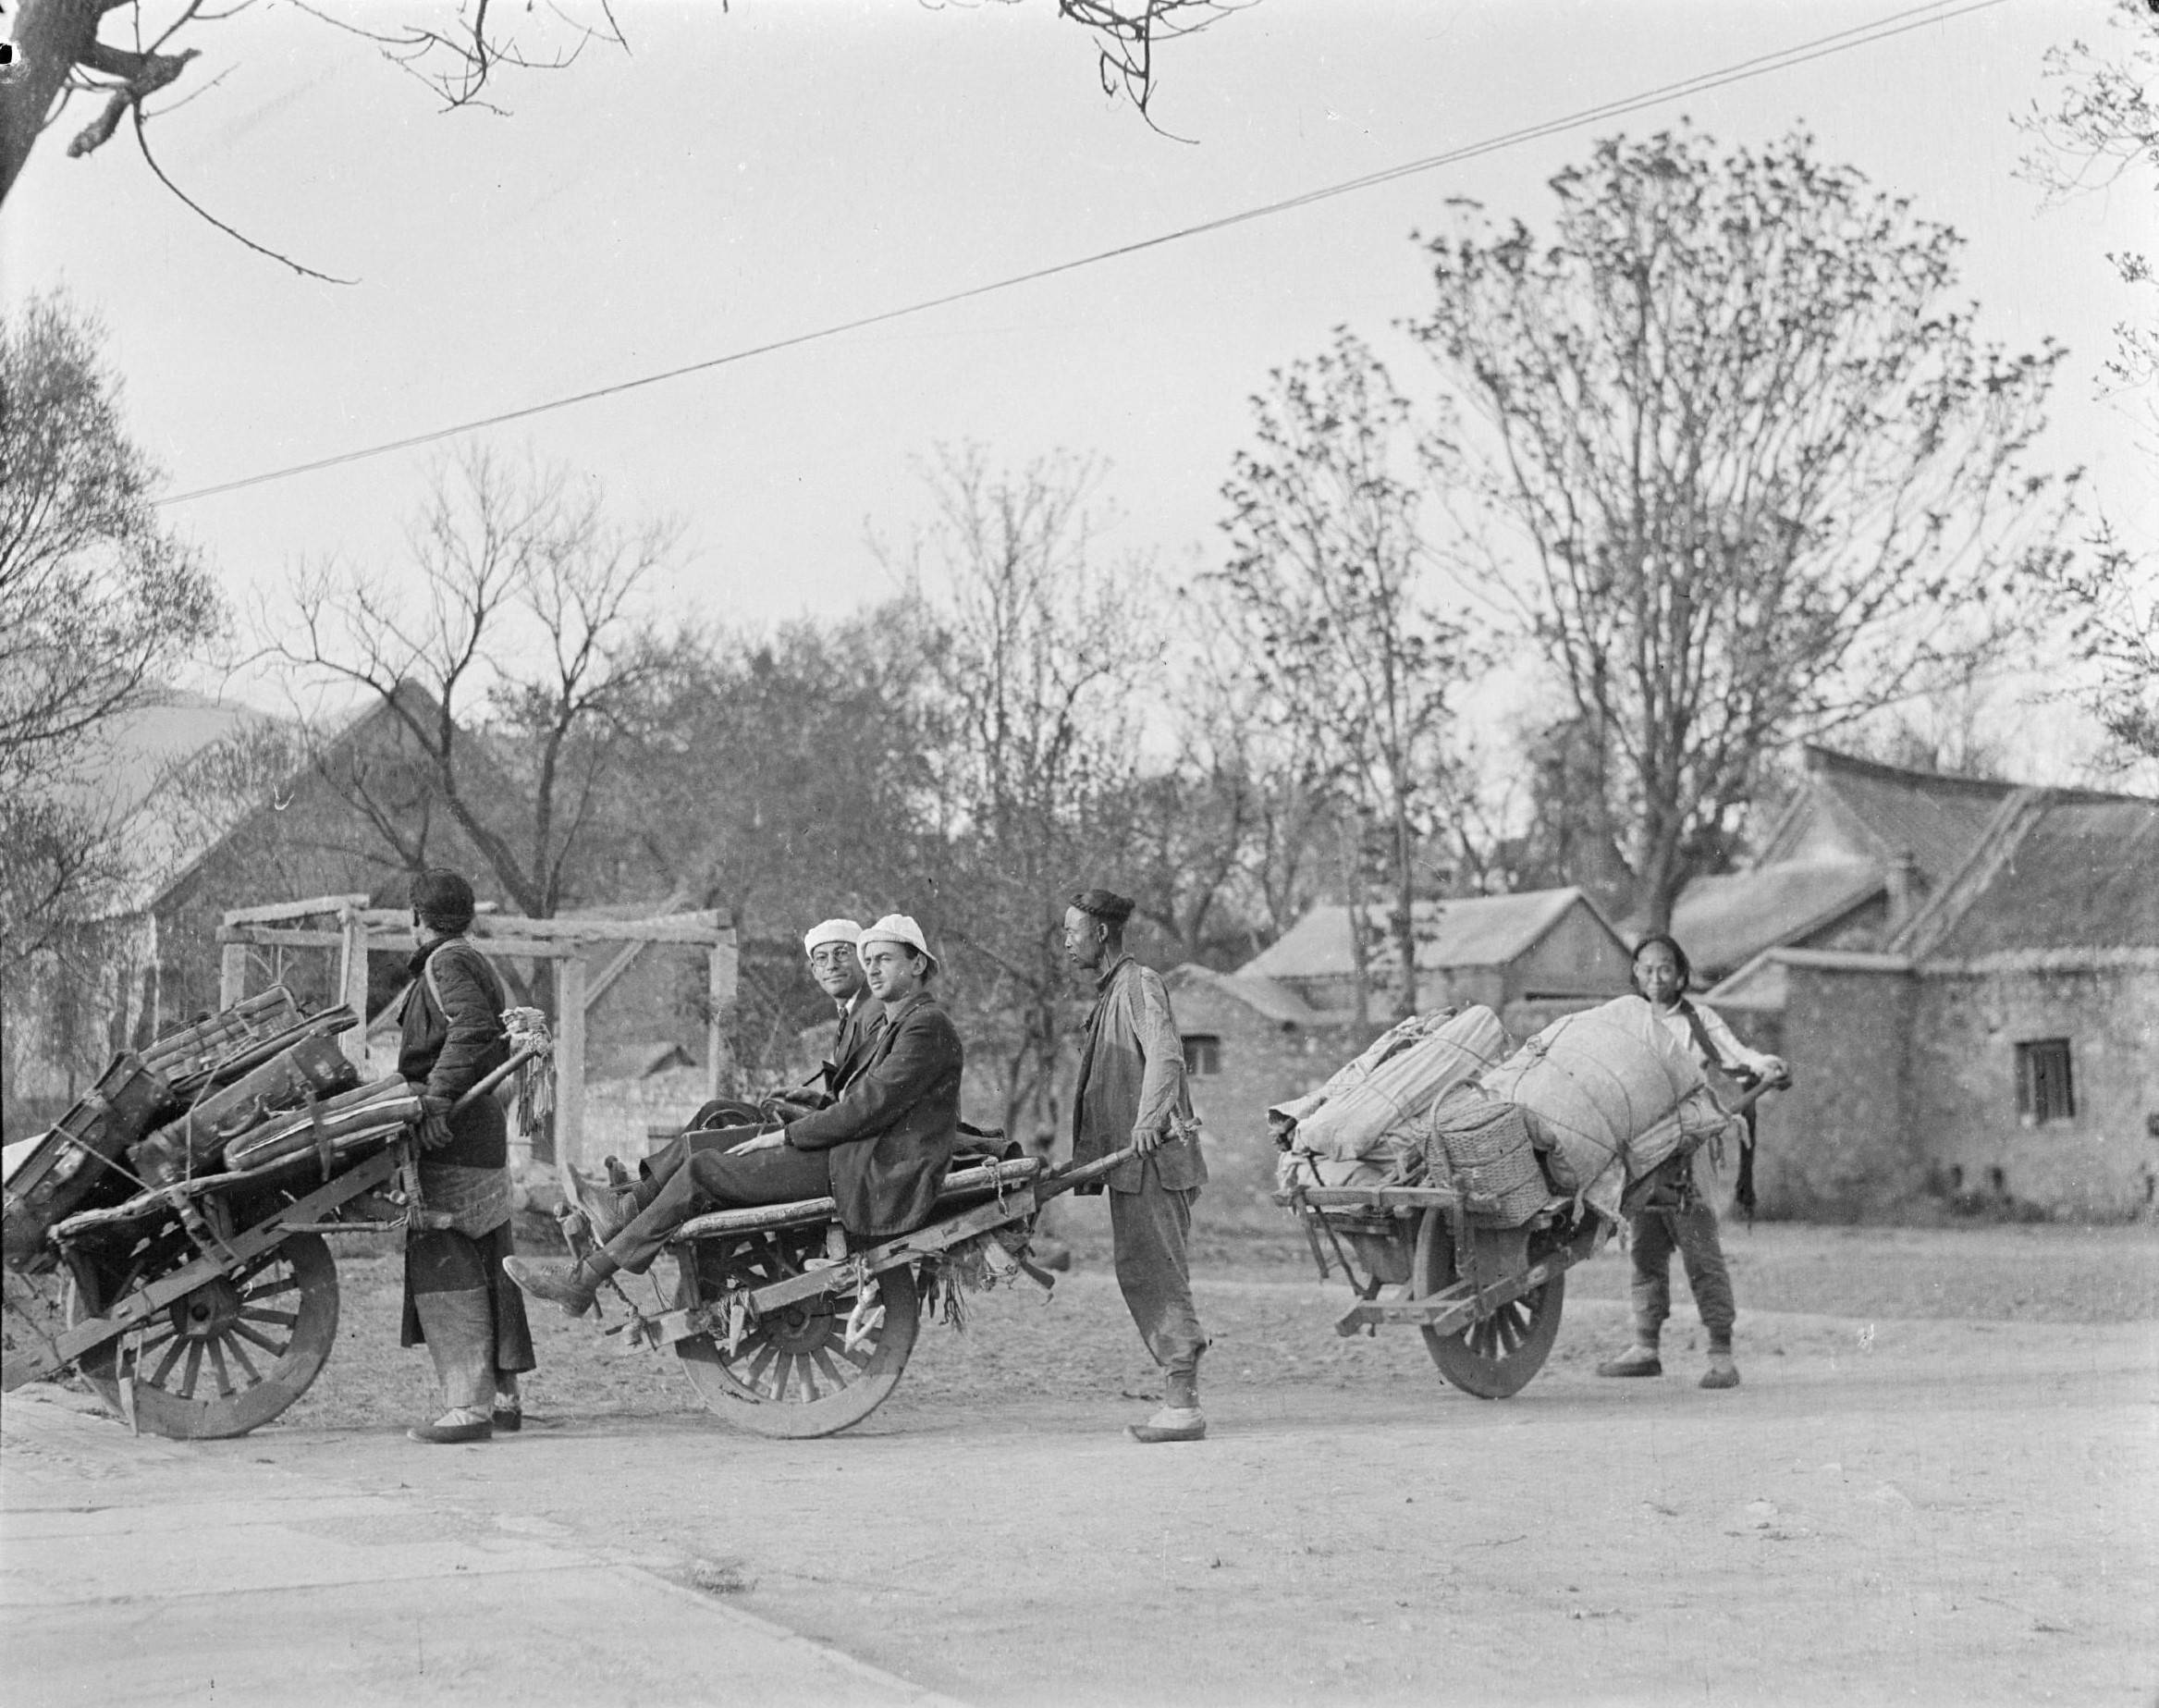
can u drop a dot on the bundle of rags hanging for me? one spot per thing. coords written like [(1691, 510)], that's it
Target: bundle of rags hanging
[(1610, 1095), (1351, 1131)]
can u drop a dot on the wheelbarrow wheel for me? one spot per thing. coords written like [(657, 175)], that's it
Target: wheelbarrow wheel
[(792, 1374), (1494, 1358), (230, 1355)]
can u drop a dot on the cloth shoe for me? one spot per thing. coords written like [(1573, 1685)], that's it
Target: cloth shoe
[(1170, 1423), (1722, 1372), (1636, 1360), (570, 1285), (452, 1429), (605, 1213)]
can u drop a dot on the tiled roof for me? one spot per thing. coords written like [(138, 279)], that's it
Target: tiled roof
[(2084, 874), (1484, 931), (1727, 919), (1270, 1001)]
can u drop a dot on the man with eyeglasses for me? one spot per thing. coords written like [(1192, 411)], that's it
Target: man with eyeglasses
[(881, 1149), (726, 1121)]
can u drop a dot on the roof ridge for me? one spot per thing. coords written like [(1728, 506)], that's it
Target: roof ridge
[(1999, 841)]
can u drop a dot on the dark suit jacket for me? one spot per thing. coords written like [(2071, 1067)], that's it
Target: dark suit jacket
[(892, 1132)]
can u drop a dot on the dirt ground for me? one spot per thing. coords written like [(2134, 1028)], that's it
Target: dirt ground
[(1939, 1482)]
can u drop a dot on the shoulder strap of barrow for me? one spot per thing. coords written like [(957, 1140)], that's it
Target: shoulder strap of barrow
[(1743, 1189)]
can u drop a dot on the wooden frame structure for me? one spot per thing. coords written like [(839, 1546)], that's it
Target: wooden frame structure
[(347, 924)]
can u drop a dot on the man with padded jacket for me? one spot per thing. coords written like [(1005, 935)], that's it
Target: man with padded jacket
[(452, 1037), (880, 1149), (1131, 1091)]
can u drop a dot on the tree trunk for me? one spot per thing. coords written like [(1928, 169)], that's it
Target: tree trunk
[(1360, 973), (1405, 908), (50, 36)]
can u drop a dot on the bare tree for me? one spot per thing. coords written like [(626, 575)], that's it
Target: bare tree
[(98, 602), (1046, 653), (2103, 121), (516, 660), (457, 52), (1764, 475), (1327, 555)]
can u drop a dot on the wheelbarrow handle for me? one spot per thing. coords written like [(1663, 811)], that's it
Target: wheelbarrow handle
[(1062, 1181), (497, 1077)]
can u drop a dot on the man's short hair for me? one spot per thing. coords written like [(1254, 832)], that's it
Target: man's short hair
[(442, 899), (1107, 905)]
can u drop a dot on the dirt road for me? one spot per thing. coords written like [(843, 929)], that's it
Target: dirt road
[(1907, 1509)]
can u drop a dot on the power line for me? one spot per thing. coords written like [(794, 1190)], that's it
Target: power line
[(1820, 47)]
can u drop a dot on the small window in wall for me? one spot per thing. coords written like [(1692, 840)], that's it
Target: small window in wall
[(1203, 1054), (2044, 1091)]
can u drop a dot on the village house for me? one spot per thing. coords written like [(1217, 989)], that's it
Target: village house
[(1965, 976)]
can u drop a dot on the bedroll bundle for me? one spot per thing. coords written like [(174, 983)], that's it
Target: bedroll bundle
[(310, 1069), (354, 1119), (1355, 1129), (1613, 1096)]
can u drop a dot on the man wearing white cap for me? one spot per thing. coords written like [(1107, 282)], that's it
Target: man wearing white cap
[(881, 1149), (724, 1122), (834, 948)]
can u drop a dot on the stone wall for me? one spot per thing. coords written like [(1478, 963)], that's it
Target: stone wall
[(1838, 1147), (2102, 1163), (1260, 1061)]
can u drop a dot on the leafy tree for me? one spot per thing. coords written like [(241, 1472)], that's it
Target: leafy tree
[(1763, 472), (99, 605), (1327, 550)]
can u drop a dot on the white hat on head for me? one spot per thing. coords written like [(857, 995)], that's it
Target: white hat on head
[(896, 928), (832, 931)]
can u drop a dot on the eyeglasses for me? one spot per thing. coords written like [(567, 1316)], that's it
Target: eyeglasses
[(836, 955)]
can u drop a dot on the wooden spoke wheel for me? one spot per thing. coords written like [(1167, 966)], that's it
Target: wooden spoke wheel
[(233, 1354), (792, 1374), (1494, 1358)]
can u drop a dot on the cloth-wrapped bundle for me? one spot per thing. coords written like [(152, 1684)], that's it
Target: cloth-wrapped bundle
[(1612, 1094), (369, 1115), (1347, 1133)]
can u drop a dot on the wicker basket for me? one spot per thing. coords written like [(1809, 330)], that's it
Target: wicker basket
[(1485, 1144)]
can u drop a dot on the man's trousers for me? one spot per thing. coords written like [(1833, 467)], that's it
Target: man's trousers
[(1692, 1232), (1150, 1229), (707, 1180)]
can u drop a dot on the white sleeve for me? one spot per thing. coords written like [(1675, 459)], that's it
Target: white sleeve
[(1732, 1053)]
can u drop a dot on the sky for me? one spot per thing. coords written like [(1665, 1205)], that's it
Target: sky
[(752, 173)]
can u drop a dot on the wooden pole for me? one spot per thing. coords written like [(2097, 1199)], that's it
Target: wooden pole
[(721, 1002), (568, 1060), (232, 973), (352, 984)]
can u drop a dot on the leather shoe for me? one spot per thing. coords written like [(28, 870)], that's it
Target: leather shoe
[(1170, 1423), (451, 1434), (604, 1210), (508, 1422), (566, 1285)]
